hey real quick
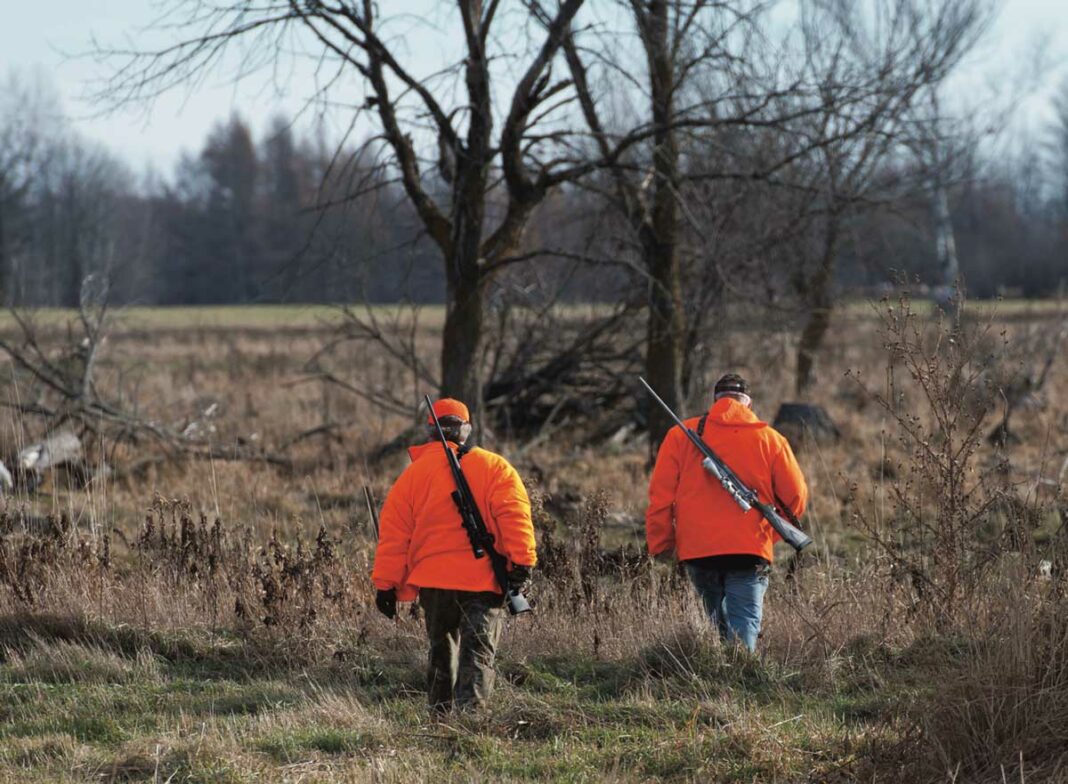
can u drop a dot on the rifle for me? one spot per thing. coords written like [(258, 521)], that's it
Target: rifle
[(744, 496), (475, 526)]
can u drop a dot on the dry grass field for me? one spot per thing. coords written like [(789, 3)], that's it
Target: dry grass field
[(210, 619)]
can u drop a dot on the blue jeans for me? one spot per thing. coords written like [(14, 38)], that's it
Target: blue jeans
[(733, 599)]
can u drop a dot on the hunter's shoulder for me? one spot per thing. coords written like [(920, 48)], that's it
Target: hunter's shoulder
[(489, 459), (775, 438), (771, 433), (689, 423), (676, 434)]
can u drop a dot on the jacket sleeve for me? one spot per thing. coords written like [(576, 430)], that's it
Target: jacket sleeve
[(395, 524), (788, 481), (660, 514), (509, 506)]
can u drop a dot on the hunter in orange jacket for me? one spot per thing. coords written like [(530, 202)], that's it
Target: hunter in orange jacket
[(690, 512), (726, 552), (421, 541), (424, 551)]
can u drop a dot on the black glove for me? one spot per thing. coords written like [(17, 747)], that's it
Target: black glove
[(386, 602), (519, 578)]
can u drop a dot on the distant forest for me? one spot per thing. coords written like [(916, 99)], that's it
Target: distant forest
[(247, 220)]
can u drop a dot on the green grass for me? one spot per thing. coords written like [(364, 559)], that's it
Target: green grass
[(694, 712), (306, 316), (207, 316), (978, 308), (247, 317)]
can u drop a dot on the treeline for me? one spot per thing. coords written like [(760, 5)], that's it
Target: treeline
[(267, 220), (273, 219), (1010, 224), (240, 220)]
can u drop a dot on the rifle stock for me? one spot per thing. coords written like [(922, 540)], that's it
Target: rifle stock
[(789, 532), (744, 496)]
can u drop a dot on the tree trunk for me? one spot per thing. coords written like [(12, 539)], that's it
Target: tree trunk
[(461, 347), (946, 244), (5, 294), (461, 343), (819, 320), (819, 315), (948, 295), (72, 263), (663, 360), (709, 306)]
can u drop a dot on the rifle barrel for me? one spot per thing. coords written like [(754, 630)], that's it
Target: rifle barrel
[(663, 405)]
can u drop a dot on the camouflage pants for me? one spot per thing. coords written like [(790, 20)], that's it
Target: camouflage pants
[(464, 628)]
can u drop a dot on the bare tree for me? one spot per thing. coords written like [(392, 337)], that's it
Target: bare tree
[(904, 54), (942, 148), (29, 113), (817, 120), (475, 201), (1059, 145), (681, 42), (76, 204)]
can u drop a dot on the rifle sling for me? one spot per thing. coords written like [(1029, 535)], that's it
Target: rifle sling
[(789, 513)]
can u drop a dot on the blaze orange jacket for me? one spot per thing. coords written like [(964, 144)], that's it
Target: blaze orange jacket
[(691, 513), (421, 542)]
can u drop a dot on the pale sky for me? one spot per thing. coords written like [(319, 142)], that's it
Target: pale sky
[(44, 35)]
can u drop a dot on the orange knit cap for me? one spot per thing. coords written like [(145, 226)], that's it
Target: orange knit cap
[(449, 407)]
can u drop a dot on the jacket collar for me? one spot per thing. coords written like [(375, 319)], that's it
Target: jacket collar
[(415, 452), (729, 412)]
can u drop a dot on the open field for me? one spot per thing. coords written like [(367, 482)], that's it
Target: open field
[(136, 318), (141, 641)]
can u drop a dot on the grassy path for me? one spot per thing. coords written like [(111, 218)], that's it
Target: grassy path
[(113, 705)]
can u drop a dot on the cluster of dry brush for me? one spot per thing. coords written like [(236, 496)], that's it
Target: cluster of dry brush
[(1000, 661), (940, 551)]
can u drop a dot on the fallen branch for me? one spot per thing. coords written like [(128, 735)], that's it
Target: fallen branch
[(66, 398)]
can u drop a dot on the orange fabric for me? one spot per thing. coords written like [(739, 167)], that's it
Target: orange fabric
[(422, 543), (449, 407), (691, 513)]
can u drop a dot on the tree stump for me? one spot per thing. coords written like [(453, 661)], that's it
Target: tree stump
[(804, 424)]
